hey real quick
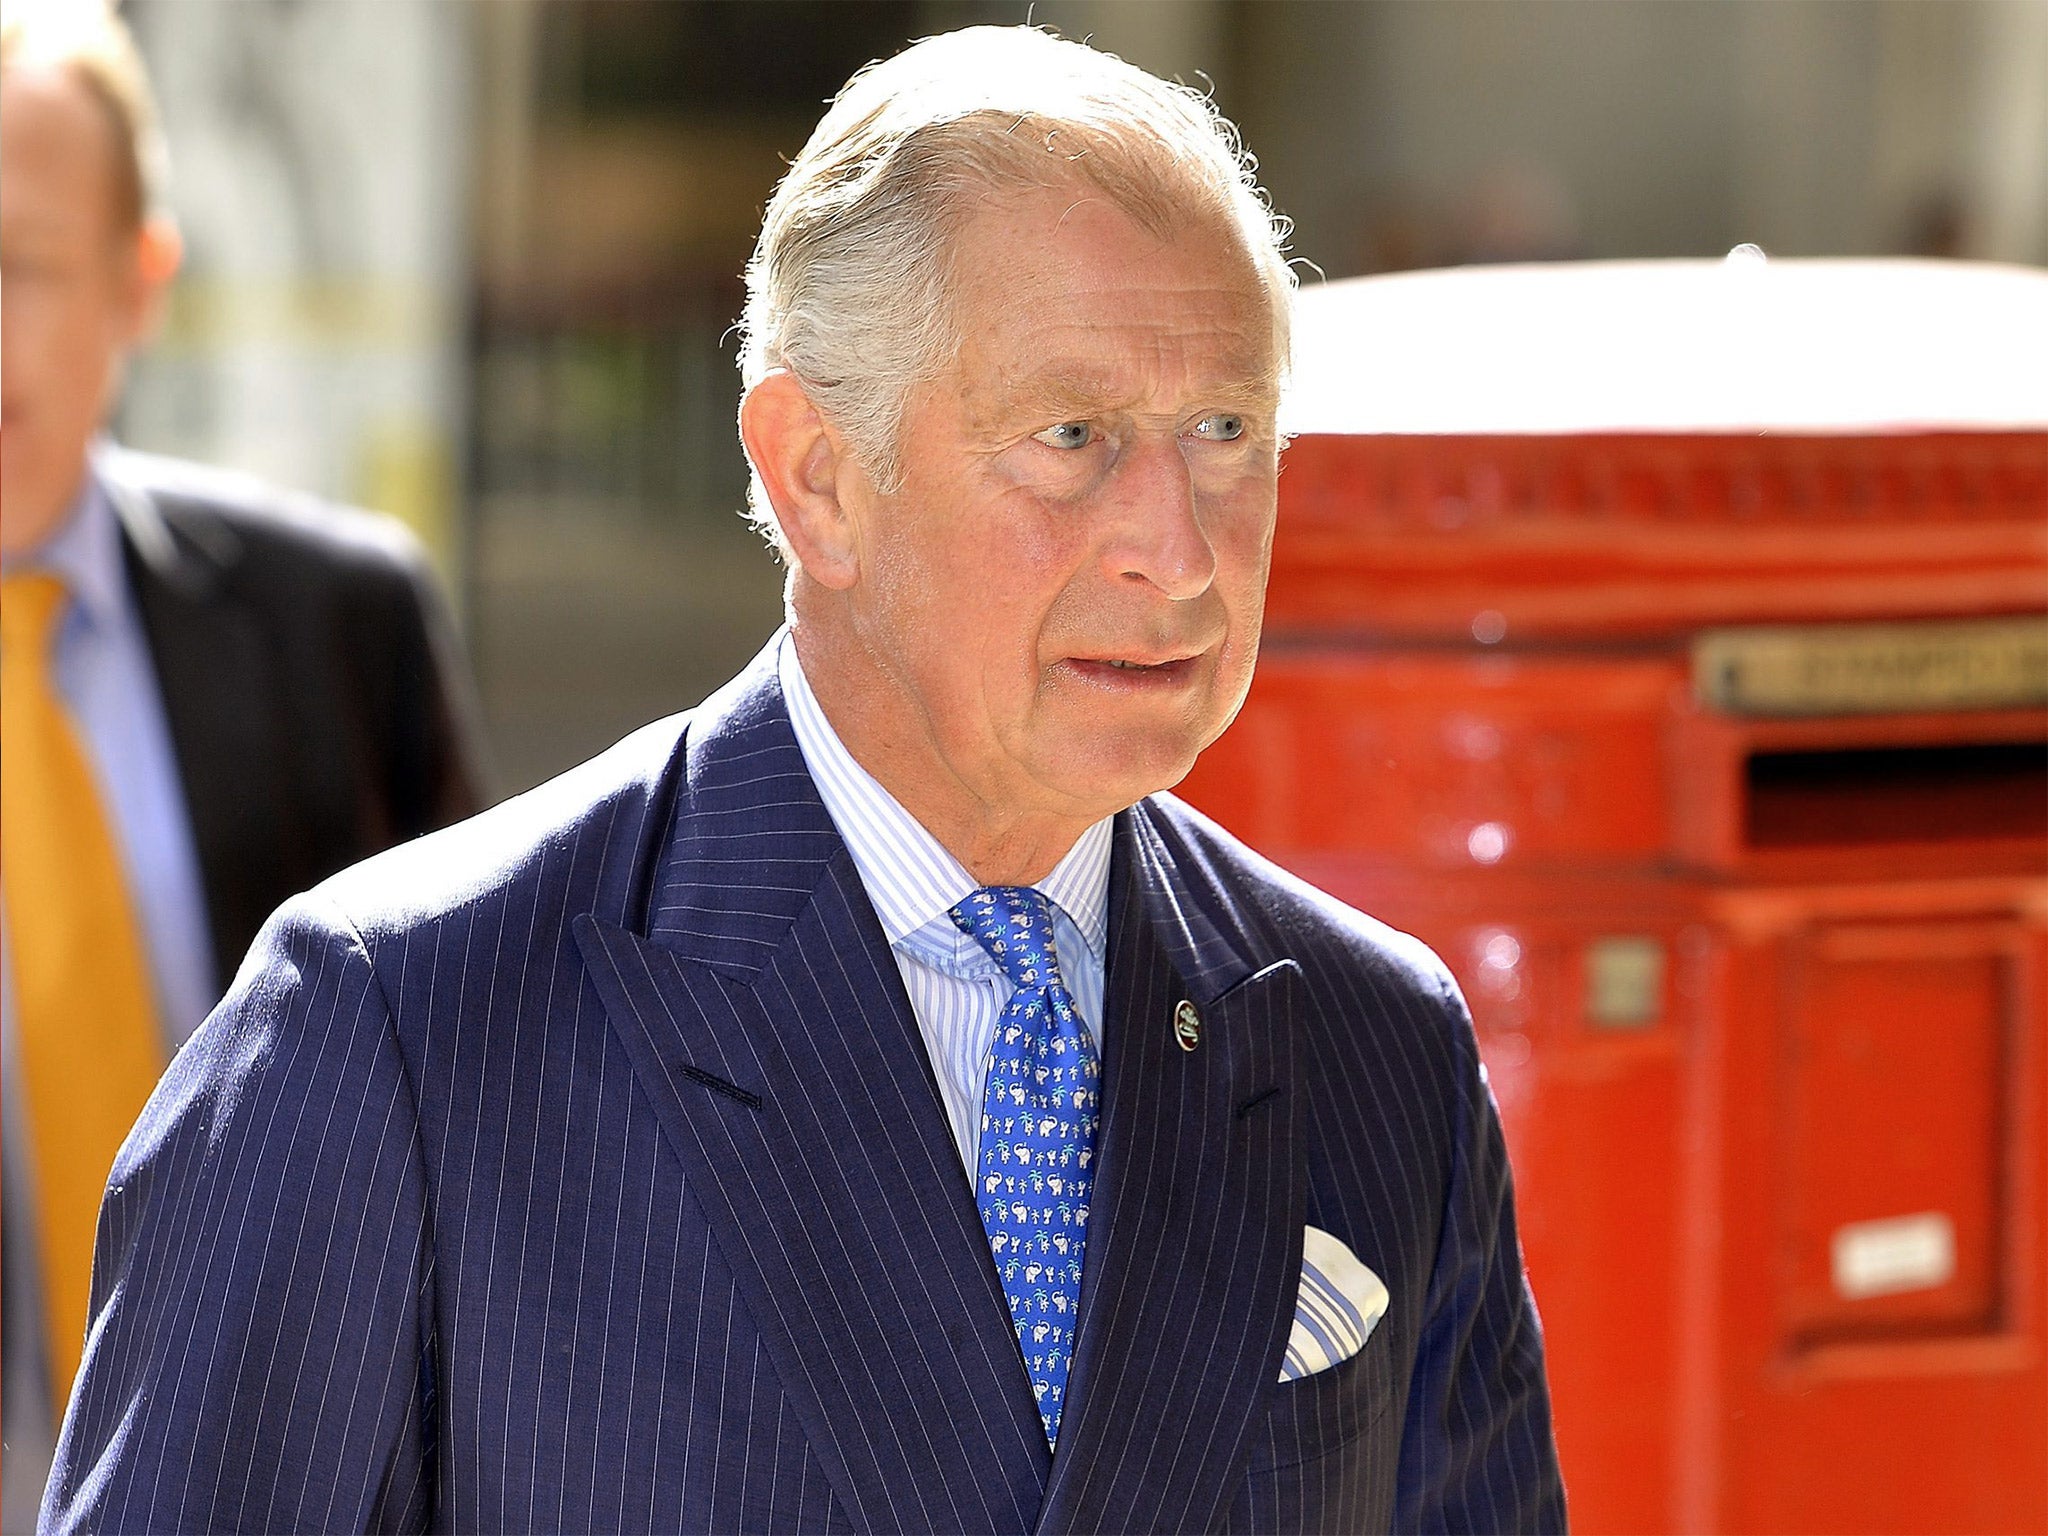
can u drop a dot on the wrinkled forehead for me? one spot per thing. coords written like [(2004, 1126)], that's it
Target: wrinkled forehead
[(1048, 274)]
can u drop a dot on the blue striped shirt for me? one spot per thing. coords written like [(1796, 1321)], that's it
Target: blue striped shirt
[(956, 989)]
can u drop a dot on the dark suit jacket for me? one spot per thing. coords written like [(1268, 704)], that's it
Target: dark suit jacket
[(581, 1168), (318, 710)]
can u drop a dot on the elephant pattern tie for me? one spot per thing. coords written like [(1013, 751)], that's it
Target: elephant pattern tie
[(1039, 1114)]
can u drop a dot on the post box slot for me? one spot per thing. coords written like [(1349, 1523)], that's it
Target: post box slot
[(1897, 794)]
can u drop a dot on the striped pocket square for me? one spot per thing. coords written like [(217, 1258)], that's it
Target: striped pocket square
[(1335, 1310)]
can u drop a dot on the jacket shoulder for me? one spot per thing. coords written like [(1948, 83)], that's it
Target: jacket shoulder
[(233, 517), (584, 841)]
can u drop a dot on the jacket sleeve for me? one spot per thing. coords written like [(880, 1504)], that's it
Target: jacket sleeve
[(261, 1356), (1477, 1452)]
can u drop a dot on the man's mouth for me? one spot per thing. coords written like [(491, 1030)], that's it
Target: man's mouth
[(1132, 669)]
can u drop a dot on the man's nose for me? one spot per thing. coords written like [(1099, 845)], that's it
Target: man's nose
[(1159, 536)]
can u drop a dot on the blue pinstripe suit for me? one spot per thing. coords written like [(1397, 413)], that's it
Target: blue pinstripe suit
[(580, 1168)]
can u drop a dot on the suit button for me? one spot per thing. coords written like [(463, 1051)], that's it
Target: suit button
[(1187, 1025)]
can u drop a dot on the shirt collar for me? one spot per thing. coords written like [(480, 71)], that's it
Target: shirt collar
[(85, 553), (909, 875)]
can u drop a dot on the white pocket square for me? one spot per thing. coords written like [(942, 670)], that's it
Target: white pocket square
[(1336, 1309)]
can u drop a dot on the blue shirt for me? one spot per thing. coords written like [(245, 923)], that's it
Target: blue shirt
[(956, 989)]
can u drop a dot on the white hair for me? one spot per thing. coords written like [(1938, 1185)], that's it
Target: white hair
[(848, 286)]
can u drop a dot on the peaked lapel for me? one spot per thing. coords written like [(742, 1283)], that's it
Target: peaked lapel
[(766, 1020), (1194, 1246)]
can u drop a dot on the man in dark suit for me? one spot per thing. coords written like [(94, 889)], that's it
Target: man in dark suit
[(869, 1102), (215, 695)]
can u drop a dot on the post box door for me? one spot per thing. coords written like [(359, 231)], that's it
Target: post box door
[(1881, 1367)]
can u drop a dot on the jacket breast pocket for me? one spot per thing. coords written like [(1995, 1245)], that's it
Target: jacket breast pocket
[(1320, 1413), (1324, 1456)]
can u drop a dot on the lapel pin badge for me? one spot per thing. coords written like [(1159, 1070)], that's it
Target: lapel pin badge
[(1187, 1025)]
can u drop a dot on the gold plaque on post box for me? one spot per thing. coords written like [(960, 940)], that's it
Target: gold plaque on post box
[(1847, 669)]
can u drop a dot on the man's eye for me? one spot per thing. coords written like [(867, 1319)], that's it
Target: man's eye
[(1068, 434), (1223, 427)]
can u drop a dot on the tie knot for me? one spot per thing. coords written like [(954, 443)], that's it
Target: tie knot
[(1014, 924), (29, 606)]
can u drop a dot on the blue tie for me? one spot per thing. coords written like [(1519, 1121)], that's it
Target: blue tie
[(1038, 1119)]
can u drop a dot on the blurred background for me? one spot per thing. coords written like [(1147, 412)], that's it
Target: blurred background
[(476, 264)]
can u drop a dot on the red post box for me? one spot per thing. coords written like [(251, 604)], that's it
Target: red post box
[(1665, 644)]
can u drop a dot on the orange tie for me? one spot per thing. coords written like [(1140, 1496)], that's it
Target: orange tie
[(91, 1050)]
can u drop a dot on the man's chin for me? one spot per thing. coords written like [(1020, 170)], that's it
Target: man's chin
[(1117, 773), (30, 516)]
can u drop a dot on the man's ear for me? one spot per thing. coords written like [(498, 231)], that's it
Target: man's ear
[(806, 471), (159, 250)]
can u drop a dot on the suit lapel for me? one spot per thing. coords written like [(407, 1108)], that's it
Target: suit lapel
[(1195, 1239), (217, 678), (766, 1020)]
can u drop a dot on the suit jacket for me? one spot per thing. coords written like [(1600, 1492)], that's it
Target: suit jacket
[(318, 709), (581, 1168)]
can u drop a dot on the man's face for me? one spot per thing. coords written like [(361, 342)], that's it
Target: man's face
[(71, 297), (1068, 586)]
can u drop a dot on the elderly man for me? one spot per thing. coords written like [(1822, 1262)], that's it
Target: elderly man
[(213, 696), (867, 1102)]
